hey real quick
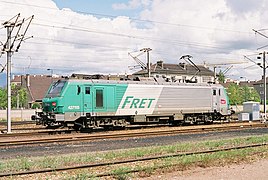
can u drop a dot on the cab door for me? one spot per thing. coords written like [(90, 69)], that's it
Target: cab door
[(86, 99), (214, 99)]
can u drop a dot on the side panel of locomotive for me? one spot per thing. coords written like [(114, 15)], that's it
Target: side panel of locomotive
[(184, 99), (159, 99)]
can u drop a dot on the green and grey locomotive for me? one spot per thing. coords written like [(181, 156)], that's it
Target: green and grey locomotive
[(92, 103)]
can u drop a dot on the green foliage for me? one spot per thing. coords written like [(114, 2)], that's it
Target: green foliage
[(36, 106), (234, 94), (238, 94), (18, 97), (22, 93), (221, 77), (121, 173), (255, 96), (3, 98)]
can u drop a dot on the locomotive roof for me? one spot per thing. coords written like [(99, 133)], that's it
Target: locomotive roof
[(149, 82)]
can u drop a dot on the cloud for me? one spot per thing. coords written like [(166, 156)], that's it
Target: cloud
[(244, 6), (132, 4), (71, 42)]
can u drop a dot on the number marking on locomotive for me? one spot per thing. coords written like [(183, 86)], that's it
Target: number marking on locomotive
[(73, 107)]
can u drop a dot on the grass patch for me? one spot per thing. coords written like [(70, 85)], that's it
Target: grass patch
[(24, 164), (200, 160), (121, 173)]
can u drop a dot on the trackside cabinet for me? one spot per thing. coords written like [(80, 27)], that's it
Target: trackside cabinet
[(253, 108)]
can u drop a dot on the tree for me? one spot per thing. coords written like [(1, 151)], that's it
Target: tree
[(245, 93), (3, 98), (22, 95), (238, 95), (221, 77), (253, 95), (234, 94), (36, 105), (18, 97)]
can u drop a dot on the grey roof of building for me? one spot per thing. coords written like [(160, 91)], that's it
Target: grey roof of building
[(260, 81)]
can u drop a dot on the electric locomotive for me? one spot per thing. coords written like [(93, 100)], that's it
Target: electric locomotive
[(93, 103)]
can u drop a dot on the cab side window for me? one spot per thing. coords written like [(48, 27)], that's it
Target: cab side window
[(87, 90), (214, 92), (78, 90), (99, 98)]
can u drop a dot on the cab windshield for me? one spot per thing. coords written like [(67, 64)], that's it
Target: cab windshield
[(56, 89)]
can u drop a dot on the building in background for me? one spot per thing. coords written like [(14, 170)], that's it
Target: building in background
[(259, 86), (179, 72), (35, 85)]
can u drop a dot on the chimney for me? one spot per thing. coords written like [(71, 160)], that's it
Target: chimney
[(183, 65), (160, 64), (21, 80), (27, 80)]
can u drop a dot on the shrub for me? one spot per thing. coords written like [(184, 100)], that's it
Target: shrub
[(36, 105)]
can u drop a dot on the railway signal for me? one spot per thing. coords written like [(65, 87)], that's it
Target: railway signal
[(264, 66)]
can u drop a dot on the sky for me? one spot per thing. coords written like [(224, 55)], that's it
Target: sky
[(96, 37)]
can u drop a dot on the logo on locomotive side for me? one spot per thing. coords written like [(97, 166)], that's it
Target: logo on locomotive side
[(137, 102), (223, 101)]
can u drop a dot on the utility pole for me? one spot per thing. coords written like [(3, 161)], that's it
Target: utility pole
[(264, 82), (8, 48), (51, 74), (148, 60), (264, 71), (9, 54), (264, 67), (264, 86), (215, 74)]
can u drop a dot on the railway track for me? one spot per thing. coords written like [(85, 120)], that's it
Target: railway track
[(93, 137), (51, 131), (19, 126), (38, 133), (128, 161), (16, 130), (24, 129), (18, 123)]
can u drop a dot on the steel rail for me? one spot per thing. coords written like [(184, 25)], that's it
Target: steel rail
[(35, 133), (18, 123), (93, 137), (128, 161)]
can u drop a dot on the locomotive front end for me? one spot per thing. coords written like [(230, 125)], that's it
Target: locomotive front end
[(52, 105)]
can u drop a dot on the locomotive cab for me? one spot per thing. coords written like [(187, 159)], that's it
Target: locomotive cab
[(52, 104), (220, 102)]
